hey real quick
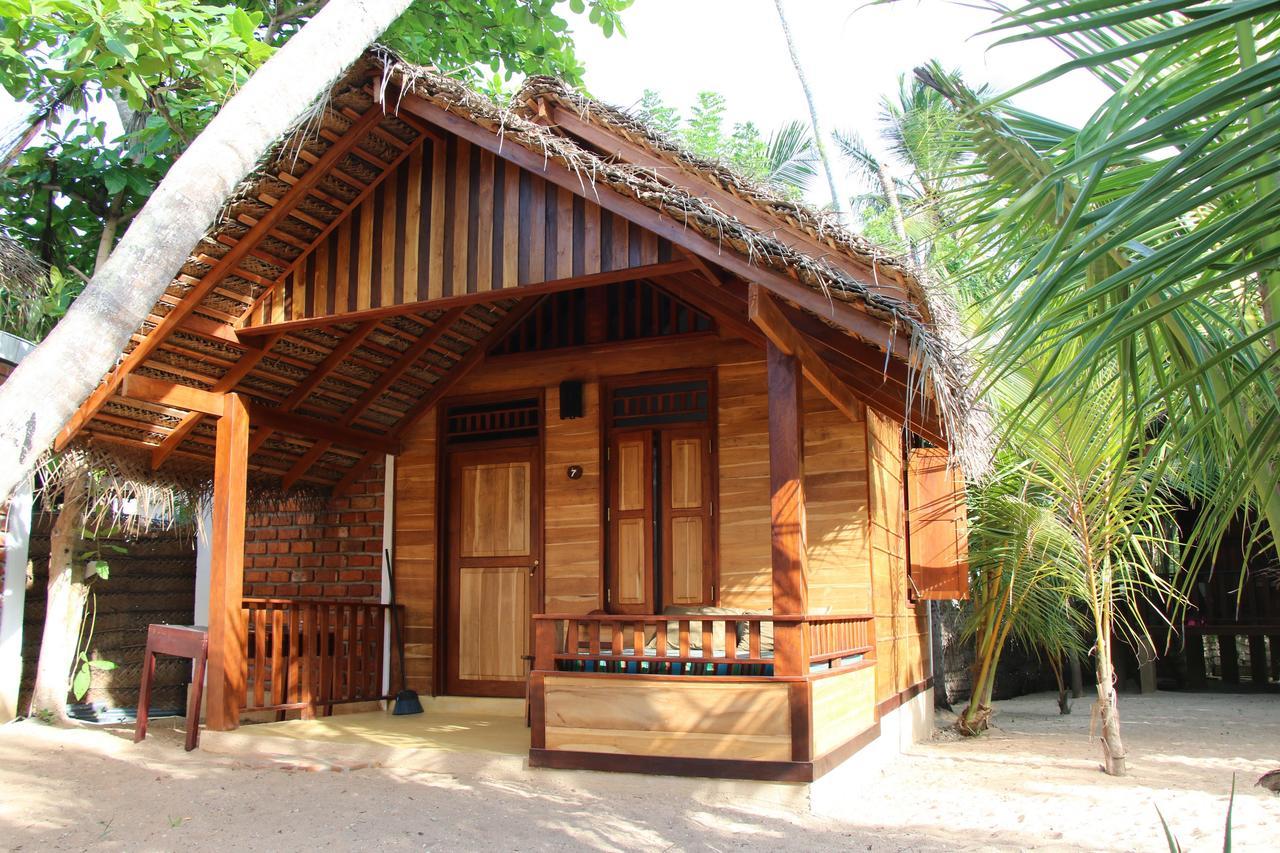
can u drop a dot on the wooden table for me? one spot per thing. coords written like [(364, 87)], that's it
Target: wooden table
[(184, 641)]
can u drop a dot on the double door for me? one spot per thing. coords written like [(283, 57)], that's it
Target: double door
[(660, 514)]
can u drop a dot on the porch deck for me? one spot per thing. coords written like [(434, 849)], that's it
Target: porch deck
[(450, 735)]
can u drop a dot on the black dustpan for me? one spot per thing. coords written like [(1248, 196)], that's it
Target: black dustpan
[(407, 701)]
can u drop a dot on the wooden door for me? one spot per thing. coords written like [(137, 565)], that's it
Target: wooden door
[(493, 582), (631, 522), (688, 565)]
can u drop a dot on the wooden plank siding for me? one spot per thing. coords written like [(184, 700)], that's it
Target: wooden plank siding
[(836, 483), (572, 514), (415, 551), (454, 220), (835, 495), (902, 641)]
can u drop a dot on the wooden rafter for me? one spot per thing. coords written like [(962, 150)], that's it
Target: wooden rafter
[(765, 313), (228, 382), (229, 262), (698, 185), (415, 351), (469, 362), (325, 230), (149, 389), (315, 377), (727, 310)]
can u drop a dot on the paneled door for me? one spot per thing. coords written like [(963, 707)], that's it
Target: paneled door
[(494, 570)]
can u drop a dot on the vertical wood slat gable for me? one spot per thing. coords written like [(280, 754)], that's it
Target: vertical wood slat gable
[(451, 220)]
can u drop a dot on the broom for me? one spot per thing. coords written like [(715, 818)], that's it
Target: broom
[(407, 701)]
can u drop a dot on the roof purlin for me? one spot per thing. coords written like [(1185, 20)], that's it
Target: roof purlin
[(229, 261)]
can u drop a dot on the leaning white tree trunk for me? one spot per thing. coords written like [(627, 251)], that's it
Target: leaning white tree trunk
[(52, 382), (64, 606)]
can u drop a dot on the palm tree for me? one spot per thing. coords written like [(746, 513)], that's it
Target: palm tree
[(1018, 589), (1079, 520), (789, 158), (818, 139), (68, 365), (1143, 246)]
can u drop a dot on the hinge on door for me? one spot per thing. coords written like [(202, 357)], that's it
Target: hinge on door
[(608, 596), (608, 454), (608, 514), (712, 506)]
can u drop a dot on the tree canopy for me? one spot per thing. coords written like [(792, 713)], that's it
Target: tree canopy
[(75, 177)]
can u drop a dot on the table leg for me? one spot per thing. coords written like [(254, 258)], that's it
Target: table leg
[(144, 691), (197, 694)]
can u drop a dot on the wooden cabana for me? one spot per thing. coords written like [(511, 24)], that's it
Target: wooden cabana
[(666, 453)]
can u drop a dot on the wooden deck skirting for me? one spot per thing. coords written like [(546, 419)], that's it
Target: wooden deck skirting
[(644, 701)]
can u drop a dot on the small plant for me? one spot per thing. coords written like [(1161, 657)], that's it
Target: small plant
[(1175, 846), (96, 568)]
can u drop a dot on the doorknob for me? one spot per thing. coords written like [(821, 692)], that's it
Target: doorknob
[(534, 568)]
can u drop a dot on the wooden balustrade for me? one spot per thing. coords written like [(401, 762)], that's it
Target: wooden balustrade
[(306, 654), (833, 639), (737, 644)]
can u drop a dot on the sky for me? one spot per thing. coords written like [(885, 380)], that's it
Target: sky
[(852, 54)]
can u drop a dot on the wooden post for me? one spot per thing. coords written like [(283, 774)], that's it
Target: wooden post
[(1258, 659), (1230, 658), (1194, 653), (786, 508), (227, 662)]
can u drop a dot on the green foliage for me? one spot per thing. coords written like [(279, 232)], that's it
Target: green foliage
[(785, 162), (1143, 245), (166, 66)]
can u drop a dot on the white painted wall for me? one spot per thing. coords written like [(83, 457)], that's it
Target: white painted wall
[(17, 537), (388, 547)]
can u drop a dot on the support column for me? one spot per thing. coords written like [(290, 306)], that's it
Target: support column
[(786, 507), (1194, 652), (227, 663), (1230, 658), (1258, 659)]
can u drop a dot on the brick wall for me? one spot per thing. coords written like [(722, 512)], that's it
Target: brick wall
[(331, 553)]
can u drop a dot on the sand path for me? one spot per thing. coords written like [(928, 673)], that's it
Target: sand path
[(1031, 784)]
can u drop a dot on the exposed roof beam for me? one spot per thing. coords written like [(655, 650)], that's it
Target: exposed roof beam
[(697, 185), (765, 313), (727, 310), (326, 230), (530, 290), (317, 375), (415, 351), (228, 382), (473, 359), (273, 217)]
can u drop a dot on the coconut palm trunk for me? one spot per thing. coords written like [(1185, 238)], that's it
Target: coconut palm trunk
[(818, 139), (64, 607), (52, 382)]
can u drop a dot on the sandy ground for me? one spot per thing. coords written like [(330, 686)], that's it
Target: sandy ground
[(1033, 783)]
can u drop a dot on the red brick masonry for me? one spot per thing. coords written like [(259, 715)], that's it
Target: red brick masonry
[(334, 553)]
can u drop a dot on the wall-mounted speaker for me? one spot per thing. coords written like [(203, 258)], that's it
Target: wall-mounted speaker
[(570, 399)]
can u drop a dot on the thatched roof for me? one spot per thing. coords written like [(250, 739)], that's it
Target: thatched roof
[(744, 220), (889, 289)]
